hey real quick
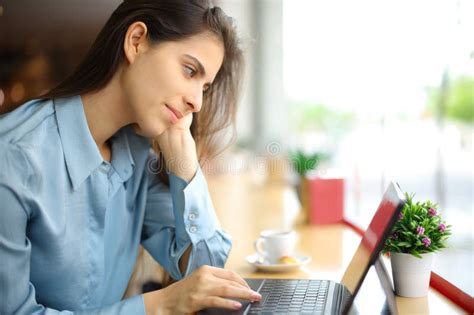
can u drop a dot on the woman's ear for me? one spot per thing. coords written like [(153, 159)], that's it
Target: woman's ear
[(135, 41)]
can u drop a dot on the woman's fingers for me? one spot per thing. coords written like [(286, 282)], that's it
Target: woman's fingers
[(218, 302), (228, 290), (234, 284), (206, 287), (229, 275)]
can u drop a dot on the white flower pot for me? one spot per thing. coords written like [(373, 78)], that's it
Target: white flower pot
[(411, 275)]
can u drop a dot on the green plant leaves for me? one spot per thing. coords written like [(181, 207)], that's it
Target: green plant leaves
[(459, 99), (404, 244), (303, 163), (404, 237)]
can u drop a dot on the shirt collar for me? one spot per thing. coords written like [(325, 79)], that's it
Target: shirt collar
[(80, 150), (122, 158)]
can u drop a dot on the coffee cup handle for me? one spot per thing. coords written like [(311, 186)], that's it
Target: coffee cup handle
[(258, 247)]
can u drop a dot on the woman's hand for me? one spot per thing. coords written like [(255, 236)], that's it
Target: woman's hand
[(179, 149), (206, 287)]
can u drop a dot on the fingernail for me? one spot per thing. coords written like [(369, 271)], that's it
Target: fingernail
[(255, 295), (237, 305)]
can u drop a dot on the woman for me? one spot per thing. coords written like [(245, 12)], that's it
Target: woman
[(80, 190)]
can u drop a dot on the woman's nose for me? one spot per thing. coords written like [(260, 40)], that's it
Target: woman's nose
[(194, 102)]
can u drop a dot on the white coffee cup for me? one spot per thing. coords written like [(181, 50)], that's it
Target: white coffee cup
[(274, 244)]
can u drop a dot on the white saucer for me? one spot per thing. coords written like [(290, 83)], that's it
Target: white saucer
[(257, 261)]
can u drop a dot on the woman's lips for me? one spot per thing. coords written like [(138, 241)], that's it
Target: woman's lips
[(175, 115)]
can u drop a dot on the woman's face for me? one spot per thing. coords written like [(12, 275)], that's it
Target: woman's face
[(165, 82)]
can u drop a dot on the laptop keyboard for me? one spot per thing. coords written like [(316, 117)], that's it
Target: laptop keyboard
[(291, 296)]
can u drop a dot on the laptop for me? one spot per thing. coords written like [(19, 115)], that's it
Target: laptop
[(305, 296)]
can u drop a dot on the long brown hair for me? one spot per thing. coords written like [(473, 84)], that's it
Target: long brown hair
[(168, 20)]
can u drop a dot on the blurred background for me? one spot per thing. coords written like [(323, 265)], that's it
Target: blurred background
[(384, 89)]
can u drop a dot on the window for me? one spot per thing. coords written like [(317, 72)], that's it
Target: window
[(381, 67)]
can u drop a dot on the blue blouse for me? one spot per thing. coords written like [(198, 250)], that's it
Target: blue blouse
[(71, 223)]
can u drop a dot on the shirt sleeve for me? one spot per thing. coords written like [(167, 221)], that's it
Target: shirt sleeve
[(17, 293), (181, 216)]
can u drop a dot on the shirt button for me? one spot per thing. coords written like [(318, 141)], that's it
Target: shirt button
[(192, 216), (193, 229)]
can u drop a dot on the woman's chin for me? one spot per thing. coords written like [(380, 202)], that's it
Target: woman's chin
[(147, 132)]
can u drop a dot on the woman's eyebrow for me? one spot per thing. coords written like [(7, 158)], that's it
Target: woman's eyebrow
[(199, 64)]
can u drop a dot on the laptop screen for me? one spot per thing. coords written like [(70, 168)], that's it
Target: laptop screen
[(374, 238)]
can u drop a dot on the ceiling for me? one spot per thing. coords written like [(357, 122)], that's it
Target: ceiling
[(52, 22)]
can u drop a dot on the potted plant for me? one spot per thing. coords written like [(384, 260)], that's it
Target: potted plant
[(321, 197), (305, 164), (416, 236)]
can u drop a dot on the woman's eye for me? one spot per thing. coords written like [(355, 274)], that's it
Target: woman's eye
[(190, 71)]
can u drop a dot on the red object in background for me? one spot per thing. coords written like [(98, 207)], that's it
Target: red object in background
[(326, 200)]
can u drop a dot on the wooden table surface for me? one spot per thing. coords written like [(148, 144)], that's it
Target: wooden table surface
[(245, 206)]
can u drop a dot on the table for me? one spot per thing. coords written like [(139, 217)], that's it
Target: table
[(246, 206)]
